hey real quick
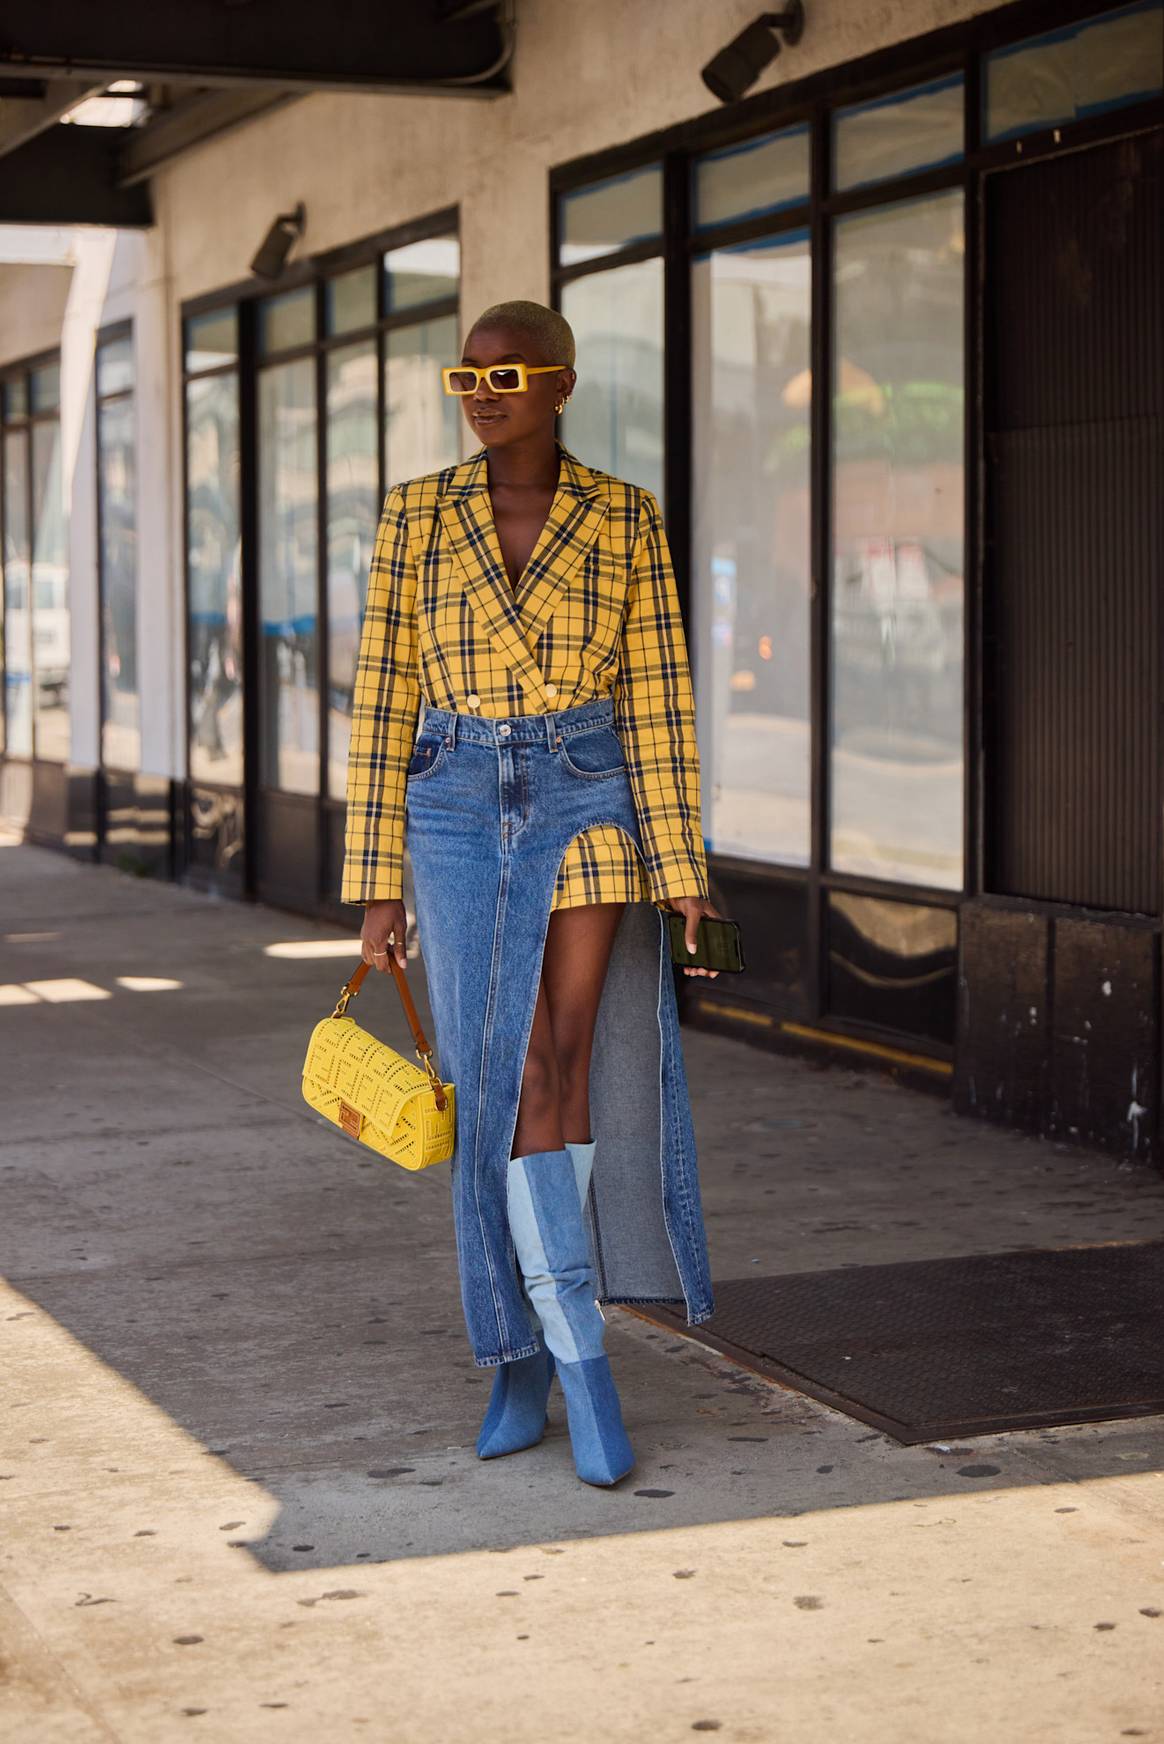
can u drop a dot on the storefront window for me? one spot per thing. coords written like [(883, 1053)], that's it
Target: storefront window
[(615, 213), (349, 301), (214, 573), (615, 416), (1081, 69), (117, 555), (44, 388), (421, 432), (115, 366), (50, 588), (427, 271), (211, 340), (753, 178), (751, 317), (892, 136), (15, 397), (421, 422), (893, 964), (352, 505), (897, 587), (287, 321), (17, 603), (288, 582)]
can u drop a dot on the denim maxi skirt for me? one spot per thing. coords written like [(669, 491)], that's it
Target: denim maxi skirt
[(491, 806)]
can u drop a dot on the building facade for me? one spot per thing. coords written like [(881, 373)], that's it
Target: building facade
[(885, 335)]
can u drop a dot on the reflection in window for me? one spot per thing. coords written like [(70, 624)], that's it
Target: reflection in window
[(421, 272), (892, 964), (45, 388), (612, 214), (214, 559), (211, 339), (896, 610), (287, 321), (1082, 69), (421, 421), (15, 397), (352, 505), (117, 558), (615, 416), (751, 177), (289, 643), (751, 320), (349, 300), (909, 130), (50, 596), (17, 605), (115, 367)]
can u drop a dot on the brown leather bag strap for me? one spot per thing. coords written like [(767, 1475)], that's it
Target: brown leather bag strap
[(349, 990)]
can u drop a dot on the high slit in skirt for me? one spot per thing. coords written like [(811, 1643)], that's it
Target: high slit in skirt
[(491, 807)]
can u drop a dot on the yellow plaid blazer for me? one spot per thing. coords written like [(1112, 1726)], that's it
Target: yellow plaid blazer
[(595, 613)]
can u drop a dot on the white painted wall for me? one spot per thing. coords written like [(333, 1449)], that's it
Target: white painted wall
[(584, 78)]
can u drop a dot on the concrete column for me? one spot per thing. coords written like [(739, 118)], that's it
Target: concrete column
[(160, 615), (88, 292)]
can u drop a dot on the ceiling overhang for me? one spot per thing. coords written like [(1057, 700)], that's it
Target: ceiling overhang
[(206, 66)]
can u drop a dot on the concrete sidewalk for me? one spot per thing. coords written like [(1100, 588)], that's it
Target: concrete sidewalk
[(238, 1493)]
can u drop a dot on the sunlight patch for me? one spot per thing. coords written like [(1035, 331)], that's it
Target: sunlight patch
[(61, 992), (313, 948)]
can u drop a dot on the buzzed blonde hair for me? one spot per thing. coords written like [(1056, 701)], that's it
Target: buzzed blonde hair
[(550, 334)]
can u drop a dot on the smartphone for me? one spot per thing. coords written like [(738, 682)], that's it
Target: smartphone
[(717, 944)]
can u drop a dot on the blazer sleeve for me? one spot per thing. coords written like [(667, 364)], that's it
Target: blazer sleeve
[(655, 716), (385, 706)]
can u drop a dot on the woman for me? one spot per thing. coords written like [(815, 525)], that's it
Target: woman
[(551, 804)]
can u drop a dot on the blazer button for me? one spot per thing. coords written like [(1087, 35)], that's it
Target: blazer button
[(551, 690), (473, 700)]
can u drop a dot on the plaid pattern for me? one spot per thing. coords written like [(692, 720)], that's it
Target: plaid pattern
[(601, 864), (595, 613)]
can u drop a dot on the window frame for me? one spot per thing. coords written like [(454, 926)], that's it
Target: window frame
[(955, 50), (314, 272), (22, 370)]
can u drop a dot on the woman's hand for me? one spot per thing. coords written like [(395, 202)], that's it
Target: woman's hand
[(692, 908), (383, 921)]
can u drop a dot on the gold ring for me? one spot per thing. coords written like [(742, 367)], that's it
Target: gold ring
[(377, 953)]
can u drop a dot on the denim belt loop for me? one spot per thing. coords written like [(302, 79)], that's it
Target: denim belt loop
[(551, 732), (451, 731)]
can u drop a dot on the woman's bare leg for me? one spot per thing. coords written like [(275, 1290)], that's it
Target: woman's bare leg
[(555, 1087)]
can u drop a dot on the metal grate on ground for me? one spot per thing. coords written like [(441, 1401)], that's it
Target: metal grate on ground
[(932, 1349)]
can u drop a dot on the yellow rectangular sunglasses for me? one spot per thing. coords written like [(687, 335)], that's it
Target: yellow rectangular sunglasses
[(502, 378)]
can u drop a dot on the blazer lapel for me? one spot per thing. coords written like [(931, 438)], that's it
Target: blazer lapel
[(514, 620)]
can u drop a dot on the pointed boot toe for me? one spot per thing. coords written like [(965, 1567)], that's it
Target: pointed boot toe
[(516, 1417), (598, 1437)]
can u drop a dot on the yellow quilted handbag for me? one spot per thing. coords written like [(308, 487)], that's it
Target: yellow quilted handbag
[(373, 1093)]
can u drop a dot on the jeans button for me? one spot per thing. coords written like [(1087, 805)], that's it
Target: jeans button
[(503, 729)]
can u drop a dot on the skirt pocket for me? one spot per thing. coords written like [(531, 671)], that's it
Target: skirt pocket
[(593, 755), (428, 754)]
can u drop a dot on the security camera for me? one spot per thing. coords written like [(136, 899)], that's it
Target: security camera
[(737, 67), (278, 242)]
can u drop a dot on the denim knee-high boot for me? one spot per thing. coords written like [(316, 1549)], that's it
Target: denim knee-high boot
[(582, 1156), (549, 1235), (516, 1415)]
